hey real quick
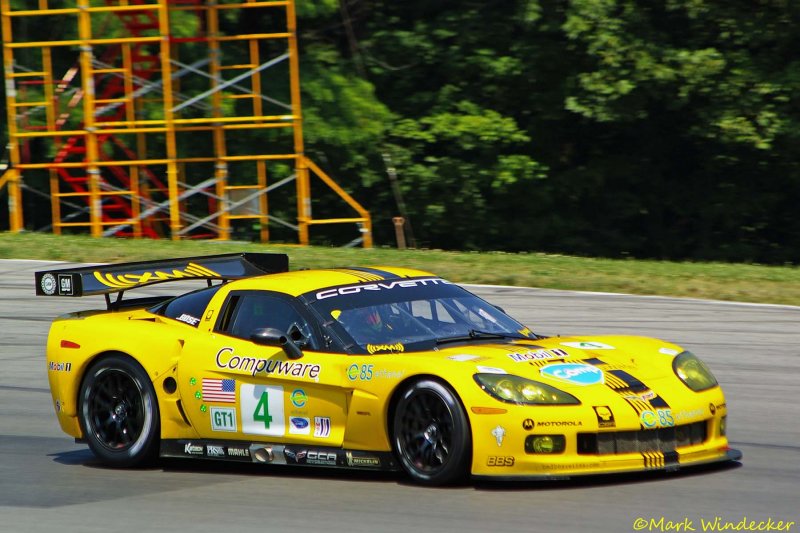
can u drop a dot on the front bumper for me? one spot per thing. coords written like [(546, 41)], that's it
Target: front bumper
[(632, 465)]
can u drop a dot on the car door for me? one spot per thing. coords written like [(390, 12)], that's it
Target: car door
[(236, 388)]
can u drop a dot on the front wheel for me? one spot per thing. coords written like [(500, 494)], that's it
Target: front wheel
[(431, 434), (118, 412)]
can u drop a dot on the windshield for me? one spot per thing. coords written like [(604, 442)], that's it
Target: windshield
[(389, 316)]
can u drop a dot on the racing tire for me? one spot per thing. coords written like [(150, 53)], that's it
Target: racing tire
[(431, 434), (118, 412)]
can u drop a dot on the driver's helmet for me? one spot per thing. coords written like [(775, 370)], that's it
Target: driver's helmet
[(367, 317), (362, 323)]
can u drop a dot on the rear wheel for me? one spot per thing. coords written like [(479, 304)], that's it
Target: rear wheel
[(431, 433), (118, 412)]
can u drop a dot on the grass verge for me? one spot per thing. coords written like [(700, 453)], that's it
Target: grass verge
[(718, 281)]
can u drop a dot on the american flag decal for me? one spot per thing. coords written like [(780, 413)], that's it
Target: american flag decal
[(219, 390)]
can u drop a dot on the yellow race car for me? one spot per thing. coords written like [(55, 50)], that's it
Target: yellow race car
[(377, 368)]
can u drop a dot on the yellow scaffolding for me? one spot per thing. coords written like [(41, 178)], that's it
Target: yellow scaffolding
[(121, 143)]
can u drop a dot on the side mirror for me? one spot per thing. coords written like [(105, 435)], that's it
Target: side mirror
[(275, 337)]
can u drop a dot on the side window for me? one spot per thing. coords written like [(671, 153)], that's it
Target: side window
[(252, 310), (188, 308)]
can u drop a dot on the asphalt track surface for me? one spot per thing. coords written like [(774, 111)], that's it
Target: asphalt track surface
[(49, 483)]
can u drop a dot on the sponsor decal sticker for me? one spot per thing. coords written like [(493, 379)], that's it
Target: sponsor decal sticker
[(587, 345), (499, 433), (393, 348), (574, 373), (490, 370), (192, 449), (314, 457), (59, 367), (660, 418), (383, 373), (605, 418), (363, 460), (559, 423), (223, 419), (322, 426), (238, 452), (310, 457), (366, 373), (124, 281), (48, 284), (565, 466), (538, 355), (682, 416), (65, 284), (527, 424), (189, 319), (299, 425), (299, 398), (359, 372), (219, 390), (645, 396), (500, 460), (215, 451), (464, 357), (257, 366)]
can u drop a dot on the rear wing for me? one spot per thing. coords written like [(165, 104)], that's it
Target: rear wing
[(116, 278)]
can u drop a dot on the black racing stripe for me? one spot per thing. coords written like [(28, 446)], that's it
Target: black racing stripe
[(361, 276), (671, 458), (545, 362), (638, 405), (634, 384), (653, 459), (376, 272), (659, 403), (614, 383), (625, 385)]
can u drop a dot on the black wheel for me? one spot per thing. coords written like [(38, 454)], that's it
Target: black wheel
[(431, 434), (118, 412)]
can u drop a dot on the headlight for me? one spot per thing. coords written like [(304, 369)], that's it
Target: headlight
[(693, 372), (515, 389)]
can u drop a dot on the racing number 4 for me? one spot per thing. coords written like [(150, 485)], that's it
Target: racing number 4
[(261, 413), (263, 410)]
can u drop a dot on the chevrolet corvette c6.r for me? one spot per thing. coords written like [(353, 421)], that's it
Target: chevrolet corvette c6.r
[(379, 368)]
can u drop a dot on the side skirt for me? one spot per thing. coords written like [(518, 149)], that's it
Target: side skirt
[(278, 454)]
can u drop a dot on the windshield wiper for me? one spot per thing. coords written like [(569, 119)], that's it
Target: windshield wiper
[(475, 334)]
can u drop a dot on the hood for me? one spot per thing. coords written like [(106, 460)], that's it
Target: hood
[(574, 363)]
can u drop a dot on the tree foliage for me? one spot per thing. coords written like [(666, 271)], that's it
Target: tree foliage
[(664, 129)]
